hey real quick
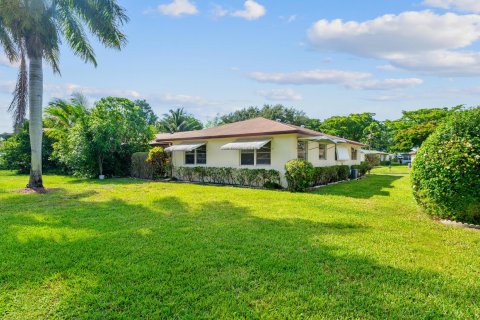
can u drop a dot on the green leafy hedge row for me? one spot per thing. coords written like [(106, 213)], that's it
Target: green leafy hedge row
[(223, 175), (326, 175), (301, 174), (446, 170)]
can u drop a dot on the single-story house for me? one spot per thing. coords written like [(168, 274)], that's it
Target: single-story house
[(383, 156), (258, 143)]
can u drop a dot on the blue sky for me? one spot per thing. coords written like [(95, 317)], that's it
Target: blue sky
[(324, 57)]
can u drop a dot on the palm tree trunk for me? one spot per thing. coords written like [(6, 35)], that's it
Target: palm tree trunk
[(36, 130)]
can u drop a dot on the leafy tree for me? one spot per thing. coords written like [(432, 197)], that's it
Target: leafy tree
[(349, 127), (280, 112), (15, 152), (103, 144), (178, 120), (416, 126), (147, 112), (31, 31), (377, 136)]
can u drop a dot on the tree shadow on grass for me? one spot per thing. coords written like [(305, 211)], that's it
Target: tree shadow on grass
[(208, 259), (373, 185), (107, 181)]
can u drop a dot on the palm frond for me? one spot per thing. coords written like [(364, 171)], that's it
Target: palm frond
[(7, 43), (18, 106), (74, 32), (103, 19)]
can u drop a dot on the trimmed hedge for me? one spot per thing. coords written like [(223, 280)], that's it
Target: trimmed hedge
[(326, 175), (299, 175), (232, 176), (140, 167), (446, 170), (363, 168)]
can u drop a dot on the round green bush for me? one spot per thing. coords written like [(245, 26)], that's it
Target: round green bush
[(446, 170), (299, 175)]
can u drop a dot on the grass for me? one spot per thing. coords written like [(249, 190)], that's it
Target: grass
[(120, 249), (398, 169)]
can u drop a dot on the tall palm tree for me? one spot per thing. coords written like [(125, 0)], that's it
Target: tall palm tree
[(31, 30), (178, 120)]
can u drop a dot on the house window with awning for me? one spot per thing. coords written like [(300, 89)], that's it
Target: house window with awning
[(196, 156), (201, 155), (195, 152), (252, 152), (261, 156)]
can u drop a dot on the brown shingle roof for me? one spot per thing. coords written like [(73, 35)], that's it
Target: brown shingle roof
[(251, 127)]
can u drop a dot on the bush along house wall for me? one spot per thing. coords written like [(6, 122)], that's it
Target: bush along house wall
[(230, 176), (301, 175)]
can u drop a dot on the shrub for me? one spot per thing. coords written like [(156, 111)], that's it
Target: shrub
[(243, 177), (299, 175), (343, 172), (160, 163), (446, 170), (15, 153), (373, 160), (362, 168), (140, 167)]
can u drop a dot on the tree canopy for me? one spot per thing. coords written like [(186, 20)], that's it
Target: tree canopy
[(178, 120)]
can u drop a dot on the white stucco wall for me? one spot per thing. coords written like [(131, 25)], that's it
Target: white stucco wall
[(283, 149), (313, 155)]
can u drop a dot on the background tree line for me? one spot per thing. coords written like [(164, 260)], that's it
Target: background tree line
[(99, 140)]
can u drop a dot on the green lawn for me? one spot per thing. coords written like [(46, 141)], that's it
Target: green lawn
[(398, 169), (132, 249)]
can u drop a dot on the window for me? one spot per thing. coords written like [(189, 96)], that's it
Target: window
[(261, 156), (190, 157), (197, 156), (201, 153), (247, 157), (354, 153), (302, 150), (322, 151)]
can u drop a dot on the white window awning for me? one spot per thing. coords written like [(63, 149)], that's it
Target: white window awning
[(185, 146), (245, 145), (371, 151), (343, 153), (323, 139)]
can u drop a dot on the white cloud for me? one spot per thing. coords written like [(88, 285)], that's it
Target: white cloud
[(387, 67), (176, 8), (420, 41), (385, 84), (182, 99), (310, 77), (65, 91), (219, 11), (289, 19), (348, 79), (7, 86), (252, 11), (280, 94), (5, 62), (460, 5)]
